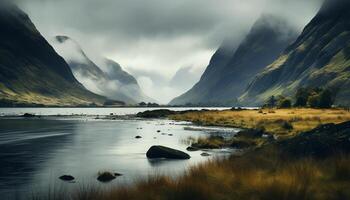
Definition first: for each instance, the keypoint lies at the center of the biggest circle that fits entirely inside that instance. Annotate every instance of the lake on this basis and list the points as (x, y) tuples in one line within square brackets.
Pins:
[(34, 152)]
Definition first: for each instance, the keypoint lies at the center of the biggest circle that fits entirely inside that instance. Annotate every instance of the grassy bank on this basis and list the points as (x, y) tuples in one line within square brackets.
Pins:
[(266, 174), (280, 122)]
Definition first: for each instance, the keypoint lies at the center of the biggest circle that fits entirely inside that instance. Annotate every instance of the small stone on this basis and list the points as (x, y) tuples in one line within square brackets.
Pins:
[(106, 177), (67, 178), (205, 154), (192, 149)]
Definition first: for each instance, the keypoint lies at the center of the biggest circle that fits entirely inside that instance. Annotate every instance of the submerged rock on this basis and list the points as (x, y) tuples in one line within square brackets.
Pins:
[(107, 176), (28, 115), (67, 178), (192, 148), (205, 154), (166, 152)]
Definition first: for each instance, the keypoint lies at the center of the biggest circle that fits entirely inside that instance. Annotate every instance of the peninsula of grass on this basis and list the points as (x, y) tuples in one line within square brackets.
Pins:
[(279, 122)]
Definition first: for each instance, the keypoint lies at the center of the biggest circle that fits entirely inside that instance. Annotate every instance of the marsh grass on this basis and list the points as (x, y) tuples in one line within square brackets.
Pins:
[(263, 174)]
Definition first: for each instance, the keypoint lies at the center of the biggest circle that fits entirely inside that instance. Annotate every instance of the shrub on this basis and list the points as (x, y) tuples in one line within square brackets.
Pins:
[(325, 99), (284, 103), (313, 101), (271, 102), (301, 97), (287, 126)]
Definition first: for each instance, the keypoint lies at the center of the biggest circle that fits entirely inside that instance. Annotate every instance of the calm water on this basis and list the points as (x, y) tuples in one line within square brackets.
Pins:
[(35, 152), (87, 111)]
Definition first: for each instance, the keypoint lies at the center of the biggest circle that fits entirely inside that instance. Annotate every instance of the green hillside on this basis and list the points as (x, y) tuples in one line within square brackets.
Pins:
[(318, 58), (31, 72)]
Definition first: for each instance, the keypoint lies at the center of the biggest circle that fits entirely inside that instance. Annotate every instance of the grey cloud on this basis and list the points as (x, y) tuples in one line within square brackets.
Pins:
[(160, 36)]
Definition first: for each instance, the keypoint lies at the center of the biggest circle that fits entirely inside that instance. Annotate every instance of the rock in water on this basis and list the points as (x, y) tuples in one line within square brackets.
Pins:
[(138, 137), (66, 178), (165, 152), (28, 115), (107, 176), (192, 148), (205, 154)]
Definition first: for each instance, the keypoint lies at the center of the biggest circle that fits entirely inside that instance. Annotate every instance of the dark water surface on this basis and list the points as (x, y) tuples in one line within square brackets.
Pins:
[(35, 152)]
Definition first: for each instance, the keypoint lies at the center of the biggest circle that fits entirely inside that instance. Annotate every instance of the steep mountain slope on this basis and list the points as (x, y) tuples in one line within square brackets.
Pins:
[(108, 79), (320, 57), (31, 72), (230, 72)]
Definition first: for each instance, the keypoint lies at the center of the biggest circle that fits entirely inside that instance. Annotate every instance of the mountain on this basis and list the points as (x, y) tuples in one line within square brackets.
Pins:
[(320, 57), (184, 78), (31, 72), (231, 70), (107, 79)]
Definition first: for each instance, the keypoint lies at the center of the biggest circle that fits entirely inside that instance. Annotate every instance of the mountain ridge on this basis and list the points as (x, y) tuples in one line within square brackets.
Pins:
[(228, 75), (107, 79), (31, 72), (320, 57)]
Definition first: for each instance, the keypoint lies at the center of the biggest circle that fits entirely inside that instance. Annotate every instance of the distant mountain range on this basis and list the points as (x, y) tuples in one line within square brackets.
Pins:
[(232, 69), (31, 72), (320, 57), (270, 62), (108, 79)]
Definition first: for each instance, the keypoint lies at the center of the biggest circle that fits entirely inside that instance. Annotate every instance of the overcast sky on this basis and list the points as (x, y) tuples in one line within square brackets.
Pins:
[(153, 39)]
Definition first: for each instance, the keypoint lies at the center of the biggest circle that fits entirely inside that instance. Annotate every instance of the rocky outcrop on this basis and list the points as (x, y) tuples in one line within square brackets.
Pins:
[(320, 142)]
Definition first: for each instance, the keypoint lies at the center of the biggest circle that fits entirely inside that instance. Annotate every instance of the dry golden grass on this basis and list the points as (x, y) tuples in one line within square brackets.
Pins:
[(258, 175), (272, 120)]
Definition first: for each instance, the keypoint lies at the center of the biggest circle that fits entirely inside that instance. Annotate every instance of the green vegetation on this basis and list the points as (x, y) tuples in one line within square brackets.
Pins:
[(304, 97), (319, 58)]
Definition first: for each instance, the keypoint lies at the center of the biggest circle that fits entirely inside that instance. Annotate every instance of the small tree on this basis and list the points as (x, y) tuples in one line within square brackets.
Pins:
[(271, 102), (325, 99), (314, 101), (284, 103), (301, 97)]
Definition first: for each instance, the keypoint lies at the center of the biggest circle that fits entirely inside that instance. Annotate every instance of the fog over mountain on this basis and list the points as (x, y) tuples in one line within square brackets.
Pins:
[(153, 39), (107, 79)]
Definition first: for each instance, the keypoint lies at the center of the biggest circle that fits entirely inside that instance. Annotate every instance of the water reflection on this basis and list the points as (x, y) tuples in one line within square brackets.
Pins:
[(25, 146), (35, 152)]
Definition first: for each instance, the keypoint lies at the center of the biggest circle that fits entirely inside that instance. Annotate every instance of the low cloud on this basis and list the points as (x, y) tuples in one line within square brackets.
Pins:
[(156, 35)]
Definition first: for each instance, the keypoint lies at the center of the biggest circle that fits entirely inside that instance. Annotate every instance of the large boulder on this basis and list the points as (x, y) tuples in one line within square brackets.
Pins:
[(165, 152)]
